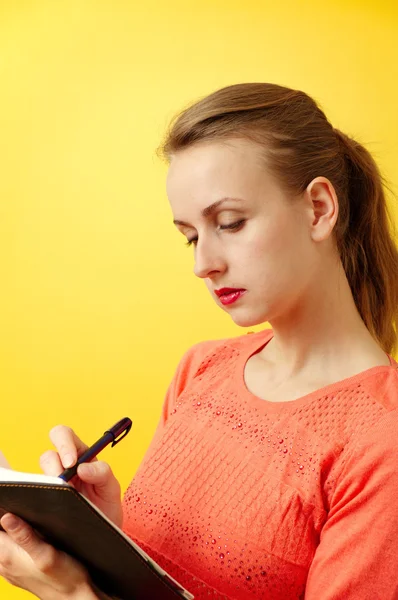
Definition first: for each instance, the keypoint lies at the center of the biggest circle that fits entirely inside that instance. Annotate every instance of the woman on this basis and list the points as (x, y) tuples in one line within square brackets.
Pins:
[(272, 473)]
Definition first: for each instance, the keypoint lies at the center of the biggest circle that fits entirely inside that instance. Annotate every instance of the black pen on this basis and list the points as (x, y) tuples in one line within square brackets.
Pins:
[(110, 436)]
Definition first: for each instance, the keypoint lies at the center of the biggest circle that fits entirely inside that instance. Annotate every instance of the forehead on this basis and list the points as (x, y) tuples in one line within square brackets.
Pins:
[(208, 171)]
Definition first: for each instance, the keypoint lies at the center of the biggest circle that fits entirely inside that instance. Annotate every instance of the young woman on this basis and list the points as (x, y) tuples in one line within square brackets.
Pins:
[(272, 473)]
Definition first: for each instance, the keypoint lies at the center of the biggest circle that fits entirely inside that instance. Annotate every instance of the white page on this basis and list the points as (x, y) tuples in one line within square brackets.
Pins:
[(15, 476)]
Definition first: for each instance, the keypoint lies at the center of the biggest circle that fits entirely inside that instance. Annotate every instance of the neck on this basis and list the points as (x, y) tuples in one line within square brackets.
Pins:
[(323, 331)]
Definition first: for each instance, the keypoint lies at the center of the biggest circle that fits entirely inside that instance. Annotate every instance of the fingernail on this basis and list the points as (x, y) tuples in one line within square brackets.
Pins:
[(68, 460), (10, 522)]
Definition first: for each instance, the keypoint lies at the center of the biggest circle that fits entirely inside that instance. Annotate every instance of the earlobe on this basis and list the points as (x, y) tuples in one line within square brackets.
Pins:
[(323, 207)]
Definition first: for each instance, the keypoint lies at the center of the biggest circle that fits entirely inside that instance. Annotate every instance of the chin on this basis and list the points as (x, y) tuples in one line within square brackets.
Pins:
[(248, 320)]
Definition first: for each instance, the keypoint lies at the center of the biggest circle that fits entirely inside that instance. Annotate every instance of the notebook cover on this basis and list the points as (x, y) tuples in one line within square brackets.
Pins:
[(70, 523)]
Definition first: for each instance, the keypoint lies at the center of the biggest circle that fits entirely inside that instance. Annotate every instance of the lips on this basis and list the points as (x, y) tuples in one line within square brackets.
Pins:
[(223, 291), (229, 295)]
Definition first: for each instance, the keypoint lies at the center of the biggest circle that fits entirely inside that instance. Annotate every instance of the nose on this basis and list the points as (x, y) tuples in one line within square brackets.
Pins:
[(208, 259)]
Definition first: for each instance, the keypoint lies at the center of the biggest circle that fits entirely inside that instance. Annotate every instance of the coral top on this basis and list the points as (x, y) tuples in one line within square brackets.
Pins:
[(242, 498)]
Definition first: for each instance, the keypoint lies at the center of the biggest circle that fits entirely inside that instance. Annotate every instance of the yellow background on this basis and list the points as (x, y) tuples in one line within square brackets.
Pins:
[(98, 300)]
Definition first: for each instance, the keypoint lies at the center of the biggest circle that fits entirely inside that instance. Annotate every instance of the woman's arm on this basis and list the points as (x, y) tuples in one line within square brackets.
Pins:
[(357, 554)]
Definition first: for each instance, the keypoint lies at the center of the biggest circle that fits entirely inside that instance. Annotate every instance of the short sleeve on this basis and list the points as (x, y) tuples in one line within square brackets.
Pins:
[(357, 557)]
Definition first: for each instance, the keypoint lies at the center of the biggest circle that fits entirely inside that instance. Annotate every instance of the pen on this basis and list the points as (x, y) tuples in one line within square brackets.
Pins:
[(110, 436)]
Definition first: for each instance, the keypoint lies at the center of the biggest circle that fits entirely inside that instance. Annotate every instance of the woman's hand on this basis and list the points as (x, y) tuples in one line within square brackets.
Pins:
[(30, 563), (94, 480), (4, 462)]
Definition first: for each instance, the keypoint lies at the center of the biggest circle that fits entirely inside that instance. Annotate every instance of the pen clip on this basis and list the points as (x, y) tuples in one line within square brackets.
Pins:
[(119, 439)]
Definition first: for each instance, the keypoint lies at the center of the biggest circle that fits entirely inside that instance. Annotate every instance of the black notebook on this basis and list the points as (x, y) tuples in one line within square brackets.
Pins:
[(70, 522)]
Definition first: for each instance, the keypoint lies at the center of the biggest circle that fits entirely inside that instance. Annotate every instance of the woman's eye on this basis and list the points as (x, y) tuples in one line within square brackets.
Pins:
[(222, 227), (233, 225)]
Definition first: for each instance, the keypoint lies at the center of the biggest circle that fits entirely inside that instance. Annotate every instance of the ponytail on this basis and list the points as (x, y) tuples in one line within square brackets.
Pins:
[(367, 249)]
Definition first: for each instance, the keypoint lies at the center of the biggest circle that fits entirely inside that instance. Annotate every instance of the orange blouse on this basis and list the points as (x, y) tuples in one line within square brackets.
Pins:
[(240, 498)]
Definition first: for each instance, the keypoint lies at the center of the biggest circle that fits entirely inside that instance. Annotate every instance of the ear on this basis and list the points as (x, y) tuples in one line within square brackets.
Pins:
[(322, 208)]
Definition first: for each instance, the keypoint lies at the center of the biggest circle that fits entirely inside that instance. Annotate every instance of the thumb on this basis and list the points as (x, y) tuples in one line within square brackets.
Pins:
[(100, 476)]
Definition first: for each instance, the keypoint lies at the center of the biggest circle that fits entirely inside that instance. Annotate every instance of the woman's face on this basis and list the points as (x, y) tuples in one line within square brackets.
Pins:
[(256, 238)]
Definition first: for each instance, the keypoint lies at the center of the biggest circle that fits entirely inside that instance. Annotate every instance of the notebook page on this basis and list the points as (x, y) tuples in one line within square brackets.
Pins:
[(9, 475)]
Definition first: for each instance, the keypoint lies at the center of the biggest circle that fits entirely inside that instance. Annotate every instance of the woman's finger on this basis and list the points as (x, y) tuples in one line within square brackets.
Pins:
[(43, 555), (100, 475), (50, 463), (68, 444), (4, 462), (28, 562)]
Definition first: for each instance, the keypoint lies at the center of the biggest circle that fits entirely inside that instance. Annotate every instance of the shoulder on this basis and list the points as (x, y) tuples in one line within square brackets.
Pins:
[(206, 353), (370, 417), (208, 357), (198, 359), (383, 386), (367, 468), (380, 437)]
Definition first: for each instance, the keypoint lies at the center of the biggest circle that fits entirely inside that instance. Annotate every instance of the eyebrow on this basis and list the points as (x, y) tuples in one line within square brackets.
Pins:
[(209, 210)]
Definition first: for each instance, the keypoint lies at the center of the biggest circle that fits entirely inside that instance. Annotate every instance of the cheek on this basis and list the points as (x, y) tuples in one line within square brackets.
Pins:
[(262, 250), (275, 257)]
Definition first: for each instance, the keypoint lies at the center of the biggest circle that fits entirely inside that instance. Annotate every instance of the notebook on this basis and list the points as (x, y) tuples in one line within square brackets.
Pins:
[(70, 522)]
